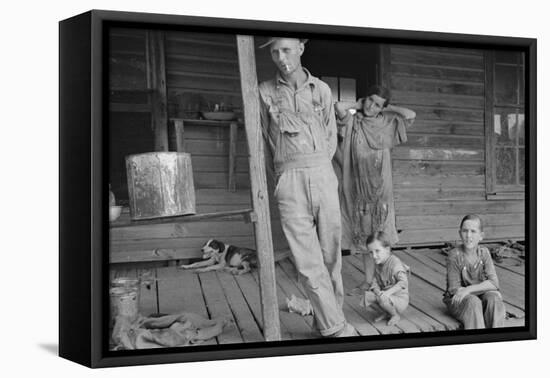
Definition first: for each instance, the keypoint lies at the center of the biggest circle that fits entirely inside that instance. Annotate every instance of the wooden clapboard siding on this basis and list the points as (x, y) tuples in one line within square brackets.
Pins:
[(209, 146), (460, 207), (446, 127), (423, 84), (130, 117), (413, 222), (176, 241), (127, 60), (202, 70), (427, 167), (439, 174), (405, 152), (441, 235)]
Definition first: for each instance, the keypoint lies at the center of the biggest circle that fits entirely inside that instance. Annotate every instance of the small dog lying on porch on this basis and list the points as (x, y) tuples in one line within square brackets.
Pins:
[(217, 255)]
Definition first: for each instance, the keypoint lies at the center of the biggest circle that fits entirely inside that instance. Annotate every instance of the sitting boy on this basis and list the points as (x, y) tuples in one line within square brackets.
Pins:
[(472, 294)]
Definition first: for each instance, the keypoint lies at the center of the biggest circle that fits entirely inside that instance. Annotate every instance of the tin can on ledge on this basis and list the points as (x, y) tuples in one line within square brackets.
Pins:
[(160, 184)]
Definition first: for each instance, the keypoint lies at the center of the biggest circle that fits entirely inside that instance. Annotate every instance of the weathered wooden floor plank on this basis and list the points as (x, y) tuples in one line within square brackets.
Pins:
[(180, 291), (363, 327), (217, 305), (148, 303), (251, 292), (214, 294), (246, 323), (295, 324), (512, 265), (289, 288)]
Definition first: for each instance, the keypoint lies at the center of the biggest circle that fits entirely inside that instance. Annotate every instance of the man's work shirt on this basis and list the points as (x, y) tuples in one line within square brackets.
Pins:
[(299, 125)]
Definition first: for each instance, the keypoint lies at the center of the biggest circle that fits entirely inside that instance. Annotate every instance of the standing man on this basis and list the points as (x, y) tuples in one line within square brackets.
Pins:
[(297, 117)]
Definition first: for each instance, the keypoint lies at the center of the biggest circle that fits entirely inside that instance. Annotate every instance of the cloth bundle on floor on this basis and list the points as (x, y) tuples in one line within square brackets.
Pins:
[(299, 305), (166, 331)]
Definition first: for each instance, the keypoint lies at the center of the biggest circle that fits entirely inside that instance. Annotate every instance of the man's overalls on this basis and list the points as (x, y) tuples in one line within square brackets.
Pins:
[(301, 131)]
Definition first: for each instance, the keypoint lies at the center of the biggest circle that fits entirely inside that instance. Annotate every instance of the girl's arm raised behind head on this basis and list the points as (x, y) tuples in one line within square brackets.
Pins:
[(406, 113)]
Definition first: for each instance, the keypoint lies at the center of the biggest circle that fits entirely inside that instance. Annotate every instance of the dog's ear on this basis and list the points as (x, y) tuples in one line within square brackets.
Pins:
[(217, 245)]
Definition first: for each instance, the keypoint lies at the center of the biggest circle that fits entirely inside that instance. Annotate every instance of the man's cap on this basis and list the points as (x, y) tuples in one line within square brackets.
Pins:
[(273, 39)]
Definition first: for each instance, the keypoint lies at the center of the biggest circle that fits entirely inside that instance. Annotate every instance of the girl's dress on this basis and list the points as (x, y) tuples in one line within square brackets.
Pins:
[(363, 164)]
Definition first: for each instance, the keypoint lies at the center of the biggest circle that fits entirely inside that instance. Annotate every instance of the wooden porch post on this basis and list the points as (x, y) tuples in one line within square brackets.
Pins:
[(156, 82), (260, 198)]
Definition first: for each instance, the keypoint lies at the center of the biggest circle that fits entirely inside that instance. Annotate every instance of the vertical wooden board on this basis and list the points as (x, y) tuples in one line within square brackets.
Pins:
[(386, 70), (249, 329), (297, 327), (426, 298), (352, 316), (217, 305), (260, 196), (180, 291), (232, 184), (404, 324), (180, 137), (489, 123), (112, 273), (156, 68), (148, 303)]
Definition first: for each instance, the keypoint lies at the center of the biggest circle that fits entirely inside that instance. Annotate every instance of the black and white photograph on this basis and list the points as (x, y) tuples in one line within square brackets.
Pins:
[(241, 189), (286, 188)]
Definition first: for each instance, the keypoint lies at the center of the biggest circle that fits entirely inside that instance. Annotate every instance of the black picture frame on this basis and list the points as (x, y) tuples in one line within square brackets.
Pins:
[(83, 273)]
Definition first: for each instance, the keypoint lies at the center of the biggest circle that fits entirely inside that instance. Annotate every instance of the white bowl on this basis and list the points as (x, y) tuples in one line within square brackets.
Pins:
[(114, 212)]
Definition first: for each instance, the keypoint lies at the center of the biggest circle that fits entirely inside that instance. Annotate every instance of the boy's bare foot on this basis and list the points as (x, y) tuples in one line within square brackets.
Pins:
[(380, 318), (393, 320)]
